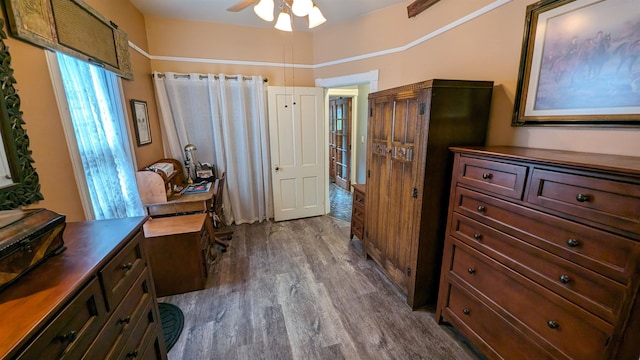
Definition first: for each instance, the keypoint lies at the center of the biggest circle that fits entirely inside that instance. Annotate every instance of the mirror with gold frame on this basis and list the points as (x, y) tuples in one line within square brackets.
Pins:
[(21, 185)]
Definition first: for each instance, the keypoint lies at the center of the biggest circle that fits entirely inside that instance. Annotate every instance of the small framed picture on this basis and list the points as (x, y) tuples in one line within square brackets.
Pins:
[(141, 121)]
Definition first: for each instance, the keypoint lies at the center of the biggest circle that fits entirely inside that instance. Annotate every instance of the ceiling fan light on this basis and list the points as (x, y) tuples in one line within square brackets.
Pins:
[(301, 7), (284, 22), (264, 10), (315, 17)]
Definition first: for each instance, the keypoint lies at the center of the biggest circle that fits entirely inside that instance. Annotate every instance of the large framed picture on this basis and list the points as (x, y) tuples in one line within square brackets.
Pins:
[(580, 64), (141, 121)]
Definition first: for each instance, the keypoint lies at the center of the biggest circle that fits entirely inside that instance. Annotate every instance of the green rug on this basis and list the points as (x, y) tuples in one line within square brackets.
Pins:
[(172, 322)]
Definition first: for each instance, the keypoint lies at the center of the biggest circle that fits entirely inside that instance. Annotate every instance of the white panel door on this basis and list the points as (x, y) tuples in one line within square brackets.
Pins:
[(296, 131)]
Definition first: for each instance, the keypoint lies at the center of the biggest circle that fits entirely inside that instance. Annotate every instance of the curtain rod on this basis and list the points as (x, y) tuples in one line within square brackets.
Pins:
[(202, 77)]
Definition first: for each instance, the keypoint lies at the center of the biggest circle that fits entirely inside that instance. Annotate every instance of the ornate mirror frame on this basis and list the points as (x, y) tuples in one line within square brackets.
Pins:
[(25, 189)]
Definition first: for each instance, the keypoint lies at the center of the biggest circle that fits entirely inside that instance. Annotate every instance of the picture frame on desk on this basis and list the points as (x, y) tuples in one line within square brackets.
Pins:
[(577, 65), (140, 116)]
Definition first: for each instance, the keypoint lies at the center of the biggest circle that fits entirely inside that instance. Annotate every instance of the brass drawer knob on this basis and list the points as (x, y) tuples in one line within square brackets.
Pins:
[(553, 324), (573, 243), (582, 197)]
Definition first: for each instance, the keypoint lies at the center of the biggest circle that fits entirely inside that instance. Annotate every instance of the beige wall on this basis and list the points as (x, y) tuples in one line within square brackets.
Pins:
[(485, 48), (43, 123)]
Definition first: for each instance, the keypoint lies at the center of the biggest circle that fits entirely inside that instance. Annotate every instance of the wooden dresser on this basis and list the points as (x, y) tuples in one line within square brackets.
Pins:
[(408, 175), (358, 211), (542, 255), (95, 300)]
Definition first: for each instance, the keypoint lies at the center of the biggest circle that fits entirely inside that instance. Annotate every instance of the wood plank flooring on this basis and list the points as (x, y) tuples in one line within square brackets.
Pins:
[(302, 290)]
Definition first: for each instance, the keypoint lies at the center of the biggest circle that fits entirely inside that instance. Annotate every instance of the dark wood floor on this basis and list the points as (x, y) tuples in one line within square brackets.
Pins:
[(302, 290)]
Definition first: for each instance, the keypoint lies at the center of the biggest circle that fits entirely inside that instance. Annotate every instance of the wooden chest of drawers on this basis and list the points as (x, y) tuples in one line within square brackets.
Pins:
[(96, 300), (542, 253), (358, 211)]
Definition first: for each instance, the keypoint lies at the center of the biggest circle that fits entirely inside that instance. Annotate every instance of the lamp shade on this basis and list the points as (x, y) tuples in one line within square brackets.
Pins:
[(264, 10), (284, 22), (315, 17), (301, 7)]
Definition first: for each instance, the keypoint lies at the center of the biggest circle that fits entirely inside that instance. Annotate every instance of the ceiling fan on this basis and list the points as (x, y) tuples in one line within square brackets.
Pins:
[(264, 9)]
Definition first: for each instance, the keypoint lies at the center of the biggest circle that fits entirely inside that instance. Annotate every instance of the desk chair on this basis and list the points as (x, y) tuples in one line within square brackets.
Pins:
[(221, 237)]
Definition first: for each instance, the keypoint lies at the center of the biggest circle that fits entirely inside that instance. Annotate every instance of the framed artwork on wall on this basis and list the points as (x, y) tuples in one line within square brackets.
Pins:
[(580, 64), (141, 122)]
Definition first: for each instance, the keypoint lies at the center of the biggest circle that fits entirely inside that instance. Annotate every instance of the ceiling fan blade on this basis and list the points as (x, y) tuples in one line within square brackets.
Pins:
[(242, 5)]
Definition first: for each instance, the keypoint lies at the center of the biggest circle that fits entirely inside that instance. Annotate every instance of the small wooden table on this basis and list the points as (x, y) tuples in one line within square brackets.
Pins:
[(177, 248)]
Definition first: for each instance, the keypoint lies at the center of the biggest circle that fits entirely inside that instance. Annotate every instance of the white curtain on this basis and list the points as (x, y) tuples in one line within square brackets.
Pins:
[(93, 96), (225, 118)]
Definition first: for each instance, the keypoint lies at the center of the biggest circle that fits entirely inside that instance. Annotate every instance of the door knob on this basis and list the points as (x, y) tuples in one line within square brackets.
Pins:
[(277, 168)]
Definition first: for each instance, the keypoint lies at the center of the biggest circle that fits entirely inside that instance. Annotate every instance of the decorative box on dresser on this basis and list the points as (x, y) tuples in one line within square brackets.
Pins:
[(358, 211), (542, 255), (408, 175), (95, 300)]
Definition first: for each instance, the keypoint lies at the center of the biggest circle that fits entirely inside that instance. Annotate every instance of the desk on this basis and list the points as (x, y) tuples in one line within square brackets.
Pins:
[(187, 203), (178, 250)]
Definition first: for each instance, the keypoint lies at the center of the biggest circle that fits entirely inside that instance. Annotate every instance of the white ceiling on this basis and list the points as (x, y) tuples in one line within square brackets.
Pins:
[(335, 11)]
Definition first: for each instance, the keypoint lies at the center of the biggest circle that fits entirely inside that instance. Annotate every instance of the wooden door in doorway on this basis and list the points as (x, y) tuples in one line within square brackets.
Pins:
[(340, 141)]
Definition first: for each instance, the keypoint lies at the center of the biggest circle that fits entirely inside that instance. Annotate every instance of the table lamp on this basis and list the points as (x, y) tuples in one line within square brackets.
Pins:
[(189, 158)]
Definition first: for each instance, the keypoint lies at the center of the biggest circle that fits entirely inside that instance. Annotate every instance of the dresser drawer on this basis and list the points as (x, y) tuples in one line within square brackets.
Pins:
[(596, 293), (73, 330), (496, 177), (120, 273), (142, 334), (498, 335), (603, 252), (570, 329), (118, 329), (599, 200)]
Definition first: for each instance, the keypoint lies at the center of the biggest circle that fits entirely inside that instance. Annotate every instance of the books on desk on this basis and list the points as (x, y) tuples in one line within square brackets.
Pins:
[(196, 188)]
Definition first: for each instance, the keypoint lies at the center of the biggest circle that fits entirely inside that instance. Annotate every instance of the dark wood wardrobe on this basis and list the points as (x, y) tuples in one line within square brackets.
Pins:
[(409, 171)]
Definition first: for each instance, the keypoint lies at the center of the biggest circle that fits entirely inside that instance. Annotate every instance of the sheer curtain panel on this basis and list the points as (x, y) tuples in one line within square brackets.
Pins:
[(225, 118), (95, 106)]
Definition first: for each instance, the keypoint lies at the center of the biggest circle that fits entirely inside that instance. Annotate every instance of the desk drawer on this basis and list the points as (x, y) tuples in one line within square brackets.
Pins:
[(607, 202), (493, 176), (570, 329), (120, 273), (71, 332)]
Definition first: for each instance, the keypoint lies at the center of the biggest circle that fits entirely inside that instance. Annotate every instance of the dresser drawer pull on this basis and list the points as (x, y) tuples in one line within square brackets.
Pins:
[(471, 271), (466, 311), (487, 176), (553, 324), (125, 320), (564, 279), (481, 208), (477, 236), (127, 266), (68, 337), (583, 197), (573, 243), (133, 354)]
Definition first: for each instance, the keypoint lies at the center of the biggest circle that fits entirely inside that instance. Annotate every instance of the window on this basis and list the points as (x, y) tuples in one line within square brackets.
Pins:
[(97, 138)]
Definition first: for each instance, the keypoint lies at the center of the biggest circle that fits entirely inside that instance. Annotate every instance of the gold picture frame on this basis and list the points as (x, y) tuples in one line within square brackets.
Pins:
[(579, 64)]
